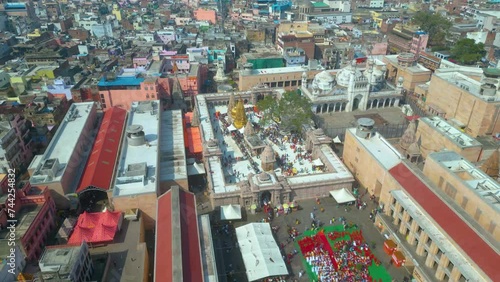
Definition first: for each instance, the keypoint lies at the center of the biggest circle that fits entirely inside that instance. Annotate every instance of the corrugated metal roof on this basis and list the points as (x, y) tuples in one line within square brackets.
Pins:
[(102, 160), (173, 226)]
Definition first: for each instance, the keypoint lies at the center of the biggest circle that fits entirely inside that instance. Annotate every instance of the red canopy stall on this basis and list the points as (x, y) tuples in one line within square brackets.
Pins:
[(398, 258), (389, 247)]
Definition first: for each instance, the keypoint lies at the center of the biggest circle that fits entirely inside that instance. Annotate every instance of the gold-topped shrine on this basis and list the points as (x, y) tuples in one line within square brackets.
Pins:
[(239, 115)]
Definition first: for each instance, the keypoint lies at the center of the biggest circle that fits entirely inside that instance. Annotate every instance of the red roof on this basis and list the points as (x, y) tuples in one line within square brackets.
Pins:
[(475, 247), (190, 241), (98, 227), (101, 163)]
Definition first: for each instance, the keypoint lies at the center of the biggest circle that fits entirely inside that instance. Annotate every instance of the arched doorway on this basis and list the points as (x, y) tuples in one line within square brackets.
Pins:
[(265, 197), (356, 101)]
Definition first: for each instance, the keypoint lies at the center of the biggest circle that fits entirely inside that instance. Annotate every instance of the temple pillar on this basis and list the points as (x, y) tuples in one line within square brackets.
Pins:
[(429, 260), (421, 244), (455, 274)]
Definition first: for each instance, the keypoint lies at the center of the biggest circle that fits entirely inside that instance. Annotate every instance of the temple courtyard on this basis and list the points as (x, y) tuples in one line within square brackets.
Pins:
[(292, 156)]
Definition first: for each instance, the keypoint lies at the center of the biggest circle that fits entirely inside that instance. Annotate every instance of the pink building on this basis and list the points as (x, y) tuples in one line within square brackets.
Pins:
[(121, 91), (205, 15), (35, 214), (176, 64), (192, 81), (142, 59), (379, 48), (419, 42)]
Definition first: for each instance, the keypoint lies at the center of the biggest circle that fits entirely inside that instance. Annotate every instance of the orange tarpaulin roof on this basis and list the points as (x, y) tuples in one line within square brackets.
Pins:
[(187, 118), (194, 140)]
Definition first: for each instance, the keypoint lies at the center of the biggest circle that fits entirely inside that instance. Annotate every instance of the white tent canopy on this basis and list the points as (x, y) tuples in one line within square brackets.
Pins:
[(336, 140), (261, 254), (342, 196), (230, 212)]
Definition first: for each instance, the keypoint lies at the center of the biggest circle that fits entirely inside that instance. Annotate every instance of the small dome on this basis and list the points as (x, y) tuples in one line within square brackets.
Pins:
[(401, 79), (212, 143), (319, 132), (267, 156), (344, 75), (263, 177), (304, 75)]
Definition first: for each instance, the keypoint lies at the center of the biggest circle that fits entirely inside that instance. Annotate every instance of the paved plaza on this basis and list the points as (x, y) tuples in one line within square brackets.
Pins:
[(229, 260)]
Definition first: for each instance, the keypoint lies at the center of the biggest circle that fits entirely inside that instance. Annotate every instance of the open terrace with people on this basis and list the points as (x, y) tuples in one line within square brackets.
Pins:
[(238, 160), (290, 228)]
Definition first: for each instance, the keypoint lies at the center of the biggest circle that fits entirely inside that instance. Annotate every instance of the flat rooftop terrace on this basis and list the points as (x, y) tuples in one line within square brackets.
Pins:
[(59, 259), (477, 181), (24, 217), (121, 81), (137, 168), (456, 136), (380, 148)]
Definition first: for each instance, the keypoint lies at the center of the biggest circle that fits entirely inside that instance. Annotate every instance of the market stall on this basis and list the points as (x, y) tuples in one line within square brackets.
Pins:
[(389, 247), (230, 212), (398, 258)]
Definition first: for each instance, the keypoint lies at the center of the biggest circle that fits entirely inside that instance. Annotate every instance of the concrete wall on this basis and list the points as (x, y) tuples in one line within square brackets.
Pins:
[(442, 177), (435, 141), (366, 170), (146, 202)]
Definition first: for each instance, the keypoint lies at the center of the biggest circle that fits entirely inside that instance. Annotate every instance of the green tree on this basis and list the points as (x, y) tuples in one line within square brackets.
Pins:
[(292, 111), (435, 25), (466, 51)]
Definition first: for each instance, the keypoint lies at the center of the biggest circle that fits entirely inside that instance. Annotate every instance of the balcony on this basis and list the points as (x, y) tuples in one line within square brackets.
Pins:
[(408, 250)]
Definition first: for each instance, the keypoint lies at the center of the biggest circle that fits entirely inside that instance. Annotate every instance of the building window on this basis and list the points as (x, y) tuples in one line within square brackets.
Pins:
[(450, 190), (492, 227), (465, 200), (440, 183)]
